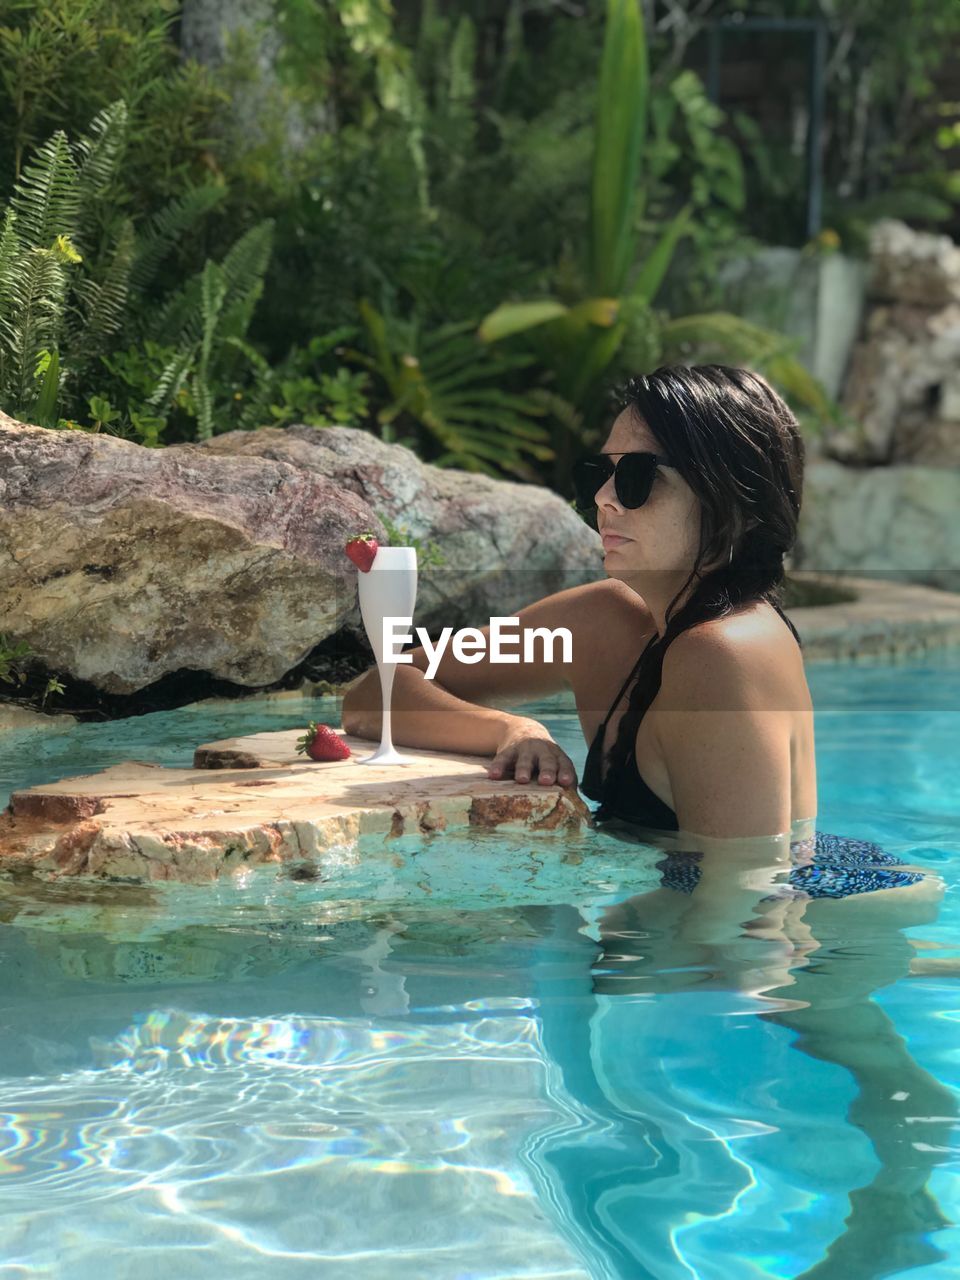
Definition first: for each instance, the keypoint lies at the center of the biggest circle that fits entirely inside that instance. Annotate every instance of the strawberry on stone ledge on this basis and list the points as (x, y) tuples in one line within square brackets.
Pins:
[(320, 742), (362, 550)]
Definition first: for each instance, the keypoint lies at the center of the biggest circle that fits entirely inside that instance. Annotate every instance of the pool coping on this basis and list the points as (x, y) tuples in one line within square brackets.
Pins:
[(890, 618)]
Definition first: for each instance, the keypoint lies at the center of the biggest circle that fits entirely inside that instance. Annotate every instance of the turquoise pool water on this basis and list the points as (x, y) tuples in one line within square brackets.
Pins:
[(485, 1056)]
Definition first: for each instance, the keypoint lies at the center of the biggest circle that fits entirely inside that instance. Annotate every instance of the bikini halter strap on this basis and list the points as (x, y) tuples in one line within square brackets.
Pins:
[(633, 672), (653, 638)]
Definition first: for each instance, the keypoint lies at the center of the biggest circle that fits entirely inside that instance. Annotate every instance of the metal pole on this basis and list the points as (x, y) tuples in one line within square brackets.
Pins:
[(818, 58)]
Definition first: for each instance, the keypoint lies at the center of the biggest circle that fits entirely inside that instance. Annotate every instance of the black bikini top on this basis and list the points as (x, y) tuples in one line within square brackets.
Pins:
[(622, 793)]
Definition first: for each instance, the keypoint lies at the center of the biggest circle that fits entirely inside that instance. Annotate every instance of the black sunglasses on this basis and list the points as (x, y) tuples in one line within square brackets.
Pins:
[(633, 477)]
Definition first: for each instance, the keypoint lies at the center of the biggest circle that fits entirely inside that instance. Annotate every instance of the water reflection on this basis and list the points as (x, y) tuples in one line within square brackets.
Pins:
[(674, 1109), (695, 1120)]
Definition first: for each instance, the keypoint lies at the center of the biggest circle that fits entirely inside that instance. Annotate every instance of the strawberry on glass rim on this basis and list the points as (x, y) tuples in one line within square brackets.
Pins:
[(362, 549)]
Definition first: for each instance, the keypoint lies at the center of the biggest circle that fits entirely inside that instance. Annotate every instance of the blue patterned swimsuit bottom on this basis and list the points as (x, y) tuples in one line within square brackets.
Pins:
[(841, 866)]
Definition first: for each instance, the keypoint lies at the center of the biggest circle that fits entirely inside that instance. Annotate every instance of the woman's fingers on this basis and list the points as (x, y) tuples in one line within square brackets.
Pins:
[(556, 767), (523, 769), (524, 760)]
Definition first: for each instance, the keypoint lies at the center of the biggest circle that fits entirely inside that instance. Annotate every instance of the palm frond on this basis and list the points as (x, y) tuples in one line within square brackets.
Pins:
[(567, 414), (719, 334)]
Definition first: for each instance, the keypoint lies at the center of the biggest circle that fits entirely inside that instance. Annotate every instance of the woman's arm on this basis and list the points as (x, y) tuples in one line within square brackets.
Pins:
[(427, 715), (449, 713)]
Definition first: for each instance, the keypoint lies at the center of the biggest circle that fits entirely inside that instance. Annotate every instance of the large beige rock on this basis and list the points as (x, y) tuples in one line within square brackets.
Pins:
[(902, 390), (253, 800), (896, 521), (915, 267), (899, 388), (121, 564)]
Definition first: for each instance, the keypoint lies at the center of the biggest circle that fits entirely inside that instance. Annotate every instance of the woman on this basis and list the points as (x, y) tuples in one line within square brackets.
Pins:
[(708, 733), (691, 692)]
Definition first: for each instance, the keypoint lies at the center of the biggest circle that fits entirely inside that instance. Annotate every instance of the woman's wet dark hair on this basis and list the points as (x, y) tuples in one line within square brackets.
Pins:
[(739, 448)]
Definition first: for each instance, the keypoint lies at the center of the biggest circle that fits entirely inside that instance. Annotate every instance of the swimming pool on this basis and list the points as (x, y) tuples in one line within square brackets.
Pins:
[(438, 1061)]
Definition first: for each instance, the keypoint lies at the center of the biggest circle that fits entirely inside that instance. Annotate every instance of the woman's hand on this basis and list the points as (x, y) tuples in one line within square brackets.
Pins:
[(526, 750)]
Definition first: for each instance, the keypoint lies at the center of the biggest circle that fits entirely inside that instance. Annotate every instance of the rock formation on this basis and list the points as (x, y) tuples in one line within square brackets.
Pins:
[(121, 564), (253, 801), (903, 383)]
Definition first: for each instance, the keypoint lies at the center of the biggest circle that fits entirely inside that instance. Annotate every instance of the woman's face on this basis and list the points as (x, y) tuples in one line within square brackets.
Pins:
[(662, 535)]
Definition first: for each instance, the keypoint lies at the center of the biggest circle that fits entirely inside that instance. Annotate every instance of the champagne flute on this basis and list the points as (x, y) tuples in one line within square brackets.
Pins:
[(387, 590)]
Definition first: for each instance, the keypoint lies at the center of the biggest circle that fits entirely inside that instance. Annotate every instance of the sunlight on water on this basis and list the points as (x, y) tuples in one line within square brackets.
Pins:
[(488, 1055)]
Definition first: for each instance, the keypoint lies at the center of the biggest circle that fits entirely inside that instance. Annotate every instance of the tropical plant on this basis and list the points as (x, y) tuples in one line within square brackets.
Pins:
[(61, 311), (64, 61), (205, 323), (606, 303), (46, 224), (883, 150), (436, 381), (302, 389), (13, 656)]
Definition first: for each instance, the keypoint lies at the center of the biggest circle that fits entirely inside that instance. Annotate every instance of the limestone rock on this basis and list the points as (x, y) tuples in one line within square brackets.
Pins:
[(902, 388), (898, 386), (145, 822), (505, 544), (121, 564), (913, 267), (897, 521)]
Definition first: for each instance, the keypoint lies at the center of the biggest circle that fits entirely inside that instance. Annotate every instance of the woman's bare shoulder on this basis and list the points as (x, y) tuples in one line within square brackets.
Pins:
[(751, 651), (596, 604)]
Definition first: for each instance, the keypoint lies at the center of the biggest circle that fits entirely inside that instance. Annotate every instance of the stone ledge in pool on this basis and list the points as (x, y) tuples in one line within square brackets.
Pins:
[(250, 801)]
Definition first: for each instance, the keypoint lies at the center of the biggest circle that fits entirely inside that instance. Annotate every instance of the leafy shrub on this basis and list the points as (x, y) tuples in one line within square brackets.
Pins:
[(13, 657), (56, 320)]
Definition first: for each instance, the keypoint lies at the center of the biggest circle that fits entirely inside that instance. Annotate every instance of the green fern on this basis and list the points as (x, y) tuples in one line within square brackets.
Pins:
[(35, 294), (60, 307), (100, 151), (46, 200), (48, 215), (180, 319), (36, 253), (168, 226), (172, 378), (103, 303), (207, 320)]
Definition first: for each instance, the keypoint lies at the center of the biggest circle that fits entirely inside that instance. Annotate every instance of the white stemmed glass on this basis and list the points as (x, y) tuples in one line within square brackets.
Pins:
[(387, 590)]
